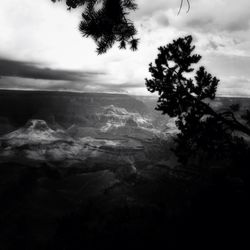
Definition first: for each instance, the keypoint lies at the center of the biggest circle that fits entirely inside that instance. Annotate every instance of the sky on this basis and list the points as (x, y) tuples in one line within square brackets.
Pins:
[(41, 47)]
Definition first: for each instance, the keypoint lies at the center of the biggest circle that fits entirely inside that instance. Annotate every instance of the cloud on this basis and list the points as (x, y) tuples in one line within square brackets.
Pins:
[(40, 39), (213, 16), (148, 9), (31, 70), (63, 85)]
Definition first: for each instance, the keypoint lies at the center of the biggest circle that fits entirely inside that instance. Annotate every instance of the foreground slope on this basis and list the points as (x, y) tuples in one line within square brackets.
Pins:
[(107, 179)]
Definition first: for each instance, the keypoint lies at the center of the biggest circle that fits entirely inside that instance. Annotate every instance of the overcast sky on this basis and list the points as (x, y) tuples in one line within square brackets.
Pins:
[(41, 47)]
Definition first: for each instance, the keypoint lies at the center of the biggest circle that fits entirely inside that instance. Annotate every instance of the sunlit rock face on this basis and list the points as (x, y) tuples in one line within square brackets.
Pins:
[(118, 137), (34, 132), (112, 116), (37, 141), (119, 122)]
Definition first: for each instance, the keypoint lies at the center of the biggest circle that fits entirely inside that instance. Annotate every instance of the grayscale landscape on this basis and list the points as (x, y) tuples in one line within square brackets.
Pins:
[(99, 153), (124, 124)]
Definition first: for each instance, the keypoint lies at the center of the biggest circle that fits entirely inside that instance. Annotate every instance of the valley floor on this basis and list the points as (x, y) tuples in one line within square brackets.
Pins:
[(93, 171), (45, 206)]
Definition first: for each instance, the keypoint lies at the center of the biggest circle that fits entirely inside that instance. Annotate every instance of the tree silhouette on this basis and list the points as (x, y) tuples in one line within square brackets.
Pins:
[(187, 98), (106, 21)]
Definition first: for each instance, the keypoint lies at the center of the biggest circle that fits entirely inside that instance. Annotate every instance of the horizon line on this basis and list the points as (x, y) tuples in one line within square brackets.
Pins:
[(108, 92)]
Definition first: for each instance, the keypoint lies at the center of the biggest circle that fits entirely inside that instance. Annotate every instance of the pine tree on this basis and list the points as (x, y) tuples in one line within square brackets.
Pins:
[(106, 21), (187, 98)]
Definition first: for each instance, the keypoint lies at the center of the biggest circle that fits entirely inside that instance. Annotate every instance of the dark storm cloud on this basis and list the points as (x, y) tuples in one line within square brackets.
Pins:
[(92, 85), (13, 68)]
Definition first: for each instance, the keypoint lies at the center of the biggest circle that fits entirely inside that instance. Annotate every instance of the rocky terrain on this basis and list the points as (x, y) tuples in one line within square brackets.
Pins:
[(96, 171), (62, 108), (118, 136), (96, 133), (55, 159)]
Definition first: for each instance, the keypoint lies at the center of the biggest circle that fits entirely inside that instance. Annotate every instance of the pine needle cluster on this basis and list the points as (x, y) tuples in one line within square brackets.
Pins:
[(107, 22)]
